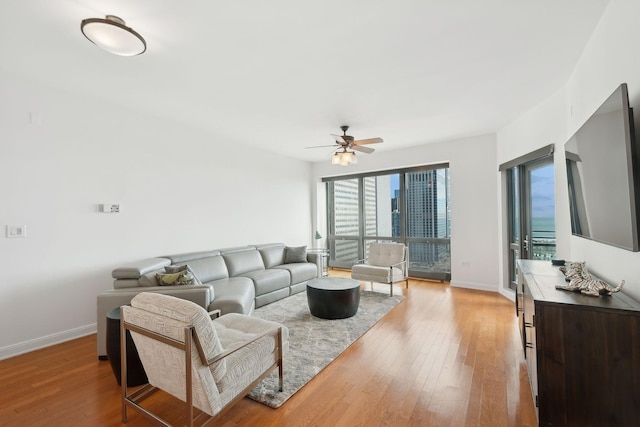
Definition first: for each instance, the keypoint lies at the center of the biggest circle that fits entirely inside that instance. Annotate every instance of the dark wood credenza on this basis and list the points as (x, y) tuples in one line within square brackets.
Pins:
[(582, 352)]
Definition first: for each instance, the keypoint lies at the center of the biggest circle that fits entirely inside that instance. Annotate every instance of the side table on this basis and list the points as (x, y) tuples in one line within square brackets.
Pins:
[(135, 372), (324, 255)]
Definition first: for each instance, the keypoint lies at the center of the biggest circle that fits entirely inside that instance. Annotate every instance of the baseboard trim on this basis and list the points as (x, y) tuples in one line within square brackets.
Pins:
[(46, 341), (473, 285), (508, 294)]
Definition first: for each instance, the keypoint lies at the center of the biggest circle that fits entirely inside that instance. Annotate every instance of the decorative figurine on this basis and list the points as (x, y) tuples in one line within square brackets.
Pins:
[(580, 280)]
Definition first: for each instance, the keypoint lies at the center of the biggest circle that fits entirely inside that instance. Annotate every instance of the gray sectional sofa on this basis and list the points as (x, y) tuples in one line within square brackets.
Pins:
[(233, 280)]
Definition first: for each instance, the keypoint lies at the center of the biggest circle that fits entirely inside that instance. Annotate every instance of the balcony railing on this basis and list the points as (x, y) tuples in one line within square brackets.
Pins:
[(544, 248)]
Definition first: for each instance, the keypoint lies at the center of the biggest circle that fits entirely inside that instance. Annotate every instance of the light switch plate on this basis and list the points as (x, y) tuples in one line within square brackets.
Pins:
[(16, 231)]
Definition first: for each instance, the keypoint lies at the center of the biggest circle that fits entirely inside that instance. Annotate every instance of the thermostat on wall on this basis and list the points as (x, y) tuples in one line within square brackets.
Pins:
[(110, 208)]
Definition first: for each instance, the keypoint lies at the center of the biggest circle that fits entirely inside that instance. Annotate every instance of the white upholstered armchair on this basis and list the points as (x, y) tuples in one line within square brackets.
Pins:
[(386, 263), (208, 364)]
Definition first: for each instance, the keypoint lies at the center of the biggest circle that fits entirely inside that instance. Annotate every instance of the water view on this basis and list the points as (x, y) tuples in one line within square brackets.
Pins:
[(543, 238)]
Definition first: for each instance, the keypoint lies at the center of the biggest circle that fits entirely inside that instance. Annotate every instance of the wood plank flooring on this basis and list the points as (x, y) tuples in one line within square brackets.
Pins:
[(443, 357)]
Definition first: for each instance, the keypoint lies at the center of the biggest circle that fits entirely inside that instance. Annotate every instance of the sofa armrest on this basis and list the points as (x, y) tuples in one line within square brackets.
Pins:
[(202, 295)]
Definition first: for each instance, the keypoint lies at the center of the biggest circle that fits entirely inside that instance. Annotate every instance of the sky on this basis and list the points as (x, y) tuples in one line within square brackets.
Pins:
[(543, 192)]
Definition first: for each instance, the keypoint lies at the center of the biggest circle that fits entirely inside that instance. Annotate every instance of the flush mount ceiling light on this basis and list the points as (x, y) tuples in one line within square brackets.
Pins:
[(112, 35)]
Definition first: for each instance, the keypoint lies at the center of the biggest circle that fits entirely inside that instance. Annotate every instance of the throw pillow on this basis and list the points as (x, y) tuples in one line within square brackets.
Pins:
[(183, 267), (293, 255), (174, 279)]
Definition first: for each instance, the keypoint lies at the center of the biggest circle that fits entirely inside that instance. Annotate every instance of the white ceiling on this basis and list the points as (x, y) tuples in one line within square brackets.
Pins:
[(284, 74)]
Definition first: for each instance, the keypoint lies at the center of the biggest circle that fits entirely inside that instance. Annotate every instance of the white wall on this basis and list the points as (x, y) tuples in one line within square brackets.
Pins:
[(610, 58), (474, 200), (179, 189)]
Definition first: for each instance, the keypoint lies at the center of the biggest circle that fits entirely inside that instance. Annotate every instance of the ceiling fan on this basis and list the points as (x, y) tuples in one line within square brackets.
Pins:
[(344, 143)]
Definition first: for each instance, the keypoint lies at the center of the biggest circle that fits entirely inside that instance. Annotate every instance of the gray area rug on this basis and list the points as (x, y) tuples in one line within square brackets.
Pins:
[(314, 342)]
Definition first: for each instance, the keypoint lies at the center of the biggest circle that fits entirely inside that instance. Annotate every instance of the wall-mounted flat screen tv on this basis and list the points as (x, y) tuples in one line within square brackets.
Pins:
[(602, 173)]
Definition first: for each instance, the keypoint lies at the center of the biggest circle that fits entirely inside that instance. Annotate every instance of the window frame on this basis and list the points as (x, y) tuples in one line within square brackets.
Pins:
[(362, 239)]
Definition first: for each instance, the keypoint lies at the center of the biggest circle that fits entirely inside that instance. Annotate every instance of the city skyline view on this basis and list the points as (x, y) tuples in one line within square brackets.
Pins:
[(419, 217)]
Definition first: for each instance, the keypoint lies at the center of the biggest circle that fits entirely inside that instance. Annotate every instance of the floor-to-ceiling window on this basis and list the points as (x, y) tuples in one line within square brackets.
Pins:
[(410, 206), (345, 221), (428, 223)]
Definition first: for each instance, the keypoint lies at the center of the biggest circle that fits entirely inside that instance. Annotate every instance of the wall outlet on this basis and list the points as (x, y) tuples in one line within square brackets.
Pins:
[(16, 231)]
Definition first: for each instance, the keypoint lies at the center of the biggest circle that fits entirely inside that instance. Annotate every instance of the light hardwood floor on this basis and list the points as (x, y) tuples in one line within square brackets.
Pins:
[(443, 357)]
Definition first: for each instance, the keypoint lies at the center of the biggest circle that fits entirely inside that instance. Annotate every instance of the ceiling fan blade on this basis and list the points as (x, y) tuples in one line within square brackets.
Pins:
[(366, 150), (323, 146), (368, 141), (339, 139)]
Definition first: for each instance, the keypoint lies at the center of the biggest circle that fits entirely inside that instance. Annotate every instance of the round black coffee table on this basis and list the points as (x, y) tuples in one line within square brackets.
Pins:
[(333, 297)]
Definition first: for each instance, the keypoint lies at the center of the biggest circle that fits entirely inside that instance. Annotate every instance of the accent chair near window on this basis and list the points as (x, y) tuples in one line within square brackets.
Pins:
[(387, 263)]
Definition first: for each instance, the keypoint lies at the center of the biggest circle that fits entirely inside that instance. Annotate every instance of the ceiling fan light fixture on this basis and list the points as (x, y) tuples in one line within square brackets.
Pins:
[(347, 146), (346, 158), (335, 159), (112, 35)]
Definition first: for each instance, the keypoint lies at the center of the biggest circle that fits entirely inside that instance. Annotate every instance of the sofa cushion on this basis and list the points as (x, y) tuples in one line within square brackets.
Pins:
[(272, 255), (300, 287), (209, 268), (266, 281), (233, 295), (296, 254), (386, 254), (300, 272), (274, 296), (232, 330), (372, 273), (244, 261)]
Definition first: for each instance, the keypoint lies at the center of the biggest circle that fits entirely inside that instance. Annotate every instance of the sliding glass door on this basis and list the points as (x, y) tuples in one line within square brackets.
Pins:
[(531, 209)]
